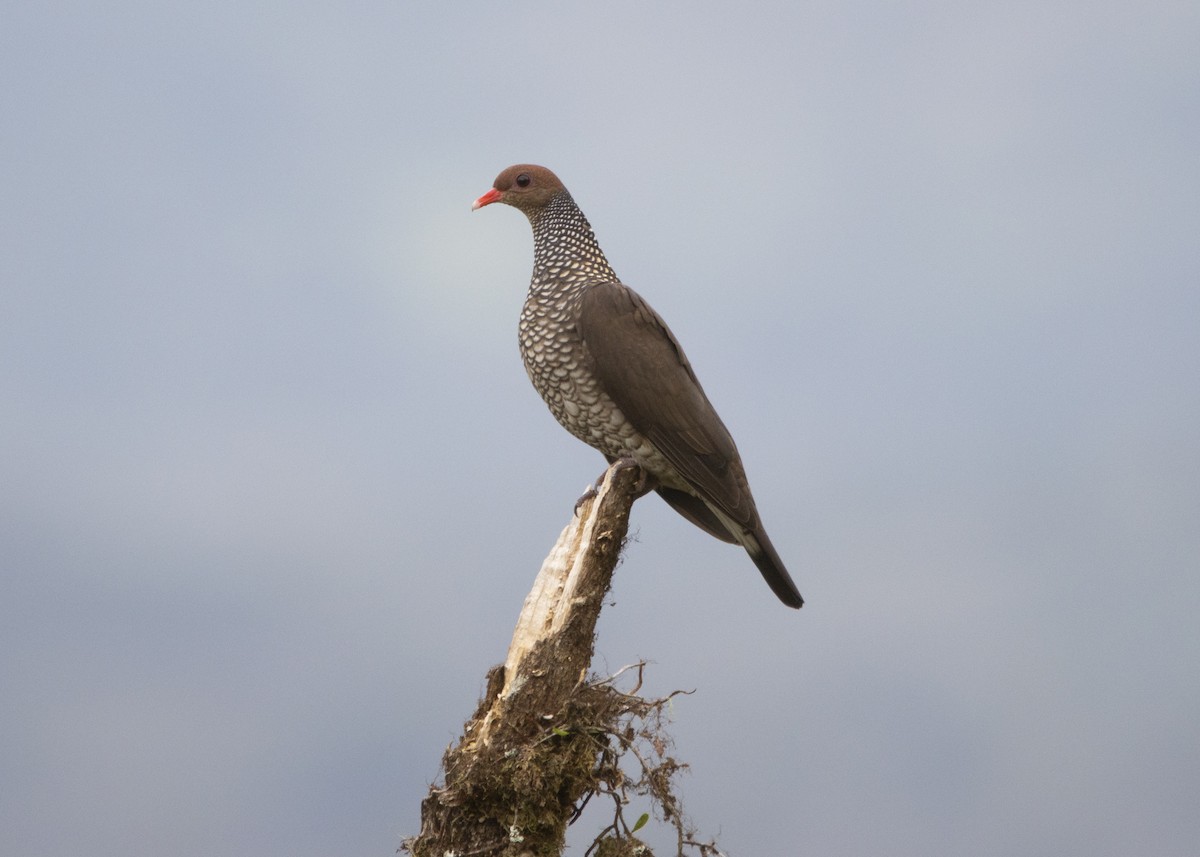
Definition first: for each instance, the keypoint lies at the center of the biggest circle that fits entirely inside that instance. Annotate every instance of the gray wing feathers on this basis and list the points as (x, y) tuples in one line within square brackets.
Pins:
[(644, 371)]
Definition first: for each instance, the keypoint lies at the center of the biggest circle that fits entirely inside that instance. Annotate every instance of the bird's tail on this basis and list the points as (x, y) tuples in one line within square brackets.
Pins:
[(773, 571), (755, 542)]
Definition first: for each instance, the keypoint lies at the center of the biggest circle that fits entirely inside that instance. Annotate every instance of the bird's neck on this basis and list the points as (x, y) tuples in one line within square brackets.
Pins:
[(565, 250)]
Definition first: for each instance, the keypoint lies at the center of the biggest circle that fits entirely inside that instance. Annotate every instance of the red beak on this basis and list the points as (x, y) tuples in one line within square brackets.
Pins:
[(487, 199)]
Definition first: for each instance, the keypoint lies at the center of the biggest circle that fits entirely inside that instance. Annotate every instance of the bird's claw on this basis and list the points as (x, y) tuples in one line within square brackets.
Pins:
[(589, 493)]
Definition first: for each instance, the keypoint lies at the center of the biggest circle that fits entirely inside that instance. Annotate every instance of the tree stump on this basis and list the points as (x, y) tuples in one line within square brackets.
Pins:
[(538, 741)]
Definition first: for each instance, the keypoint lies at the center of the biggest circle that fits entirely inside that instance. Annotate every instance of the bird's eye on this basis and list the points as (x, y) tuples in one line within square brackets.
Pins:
[(523, 180)]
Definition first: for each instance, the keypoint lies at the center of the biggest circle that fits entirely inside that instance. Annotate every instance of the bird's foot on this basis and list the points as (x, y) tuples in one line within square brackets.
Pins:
[(589, 493), (645, 484)]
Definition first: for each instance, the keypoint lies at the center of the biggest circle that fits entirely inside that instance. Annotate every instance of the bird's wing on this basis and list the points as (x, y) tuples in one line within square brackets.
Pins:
[(644, 371)]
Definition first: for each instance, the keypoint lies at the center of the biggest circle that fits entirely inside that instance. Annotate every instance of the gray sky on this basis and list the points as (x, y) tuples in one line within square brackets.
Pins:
[(274, 483)]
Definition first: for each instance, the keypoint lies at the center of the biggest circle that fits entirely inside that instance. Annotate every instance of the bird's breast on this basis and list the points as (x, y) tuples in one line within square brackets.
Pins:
[(558, 366), (560, 369)]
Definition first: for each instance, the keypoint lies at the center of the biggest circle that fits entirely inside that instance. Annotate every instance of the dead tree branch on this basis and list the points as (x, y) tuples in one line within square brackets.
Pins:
[(545, 739)]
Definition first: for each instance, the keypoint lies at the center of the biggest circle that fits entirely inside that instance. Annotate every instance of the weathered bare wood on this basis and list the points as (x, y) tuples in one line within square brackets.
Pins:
[(521, 765)]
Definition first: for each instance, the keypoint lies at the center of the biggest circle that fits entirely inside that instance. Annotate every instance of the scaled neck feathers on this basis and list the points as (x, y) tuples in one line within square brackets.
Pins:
[(565, 250)]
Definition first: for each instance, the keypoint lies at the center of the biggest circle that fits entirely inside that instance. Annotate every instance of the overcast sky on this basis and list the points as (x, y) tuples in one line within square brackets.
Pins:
[(274, 483)]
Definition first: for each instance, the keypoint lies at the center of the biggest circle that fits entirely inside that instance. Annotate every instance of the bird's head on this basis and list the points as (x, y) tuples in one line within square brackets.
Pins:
[(525, 186)]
